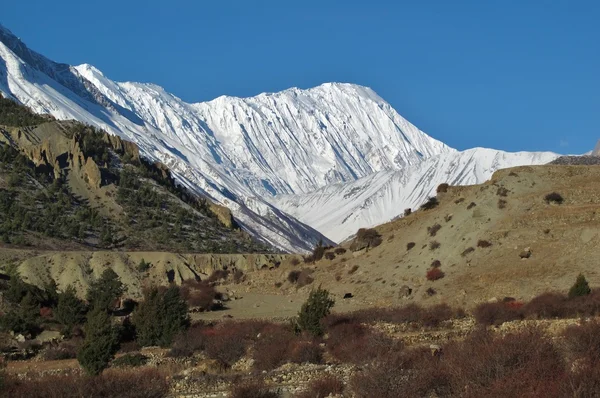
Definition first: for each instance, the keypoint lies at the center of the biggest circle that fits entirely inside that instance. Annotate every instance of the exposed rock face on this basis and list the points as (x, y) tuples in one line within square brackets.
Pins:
[(223, 214)]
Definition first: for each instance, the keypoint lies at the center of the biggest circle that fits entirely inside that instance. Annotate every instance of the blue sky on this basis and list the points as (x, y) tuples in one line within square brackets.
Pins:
[(513, 75)]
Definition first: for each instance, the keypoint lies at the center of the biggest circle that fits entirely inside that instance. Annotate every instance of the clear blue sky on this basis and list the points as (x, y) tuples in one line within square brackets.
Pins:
[(513, 75)]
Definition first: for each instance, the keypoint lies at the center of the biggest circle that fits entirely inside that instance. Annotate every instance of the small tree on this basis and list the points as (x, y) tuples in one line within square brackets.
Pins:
[(105, 290), (580, 288), (70, 310), (161, 316), (100, 344), (317, 306)]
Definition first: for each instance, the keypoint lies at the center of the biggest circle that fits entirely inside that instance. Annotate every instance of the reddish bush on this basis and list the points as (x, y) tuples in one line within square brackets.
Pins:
[(65, 350), (350, 342), (496, 313), (229, 341), (546, 305), (433, 316), (305, 351), (198, 294), (252, 389), (323, 387), (140, 383), (434, 274), (583, 341), (46, 312), (272, 349)]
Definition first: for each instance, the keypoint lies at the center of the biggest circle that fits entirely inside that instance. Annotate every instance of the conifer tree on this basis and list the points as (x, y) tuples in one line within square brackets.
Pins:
[(580, 288), (317, 306), (100, 344)]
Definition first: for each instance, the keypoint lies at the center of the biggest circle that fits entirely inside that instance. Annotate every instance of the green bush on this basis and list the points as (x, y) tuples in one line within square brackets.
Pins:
[(70, 310), (160, 316), (100, 344), (130, 360), (580, 288), (317, 306), (104, 291)]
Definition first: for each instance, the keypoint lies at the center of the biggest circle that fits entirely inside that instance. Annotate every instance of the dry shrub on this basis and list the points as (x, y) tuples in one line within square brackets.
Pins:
[(323, 387), (272, 348), (407, 212), (496, 313), (294, 261), (501, 203), (583, 342), (198, 294), (430, 204), (305, 351), (433, 316), (436, 264), (410, 245), (433, 230), (252, 389), (583, 381), (218, 275), (502, 192), (353, 269), (140, 383), (546, 305), (65, 350), (442, 188), (434, 274), (483, 243), (300, 277), (554, 197), (238, 276), (467, 251), (459, 200), (520, 364), (339, 250), (434, 244), (350, 342), (329, 256), (471, 205)]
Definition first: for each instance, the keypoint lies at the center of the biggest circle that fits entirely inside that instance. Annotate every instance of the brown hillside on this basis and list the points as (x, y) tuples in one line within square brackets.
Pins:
[(564, 240)]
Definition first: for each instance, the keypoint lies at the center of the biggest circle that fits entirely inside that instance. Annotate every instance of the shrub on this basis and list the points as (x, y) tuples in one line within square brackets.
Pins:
[(329, 256), (252, 389), (317, 306), (104, 291), (272, 349), (483, 243), (583, 341), (227, 342), (554, 197), (436, 264), (546, 305), (100, 344), (161, 315), (580, 288), (305, 351), (433, 316), (300, 278), (410, 245), (143, 266), (353, 269), (324, 387), (199, 294), (350, 342), (217, 275), (139, 383), (434, 274), (442, 188), (407, 212), (471, 205), (459, 200), (339, 250), (434, 244), (430, 204), (70, 310), (65, 350), (467, 251), (366, 238), (433, 230), (496, 313), (130, 361), (238, 276), (294, 261), (501, 203), (502, 192)]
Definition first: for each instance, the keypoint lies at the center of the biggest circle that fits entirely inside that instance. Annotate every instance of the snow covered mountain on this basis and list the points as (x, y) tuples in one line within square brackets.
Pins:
[(279, 161), (382, 196)]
